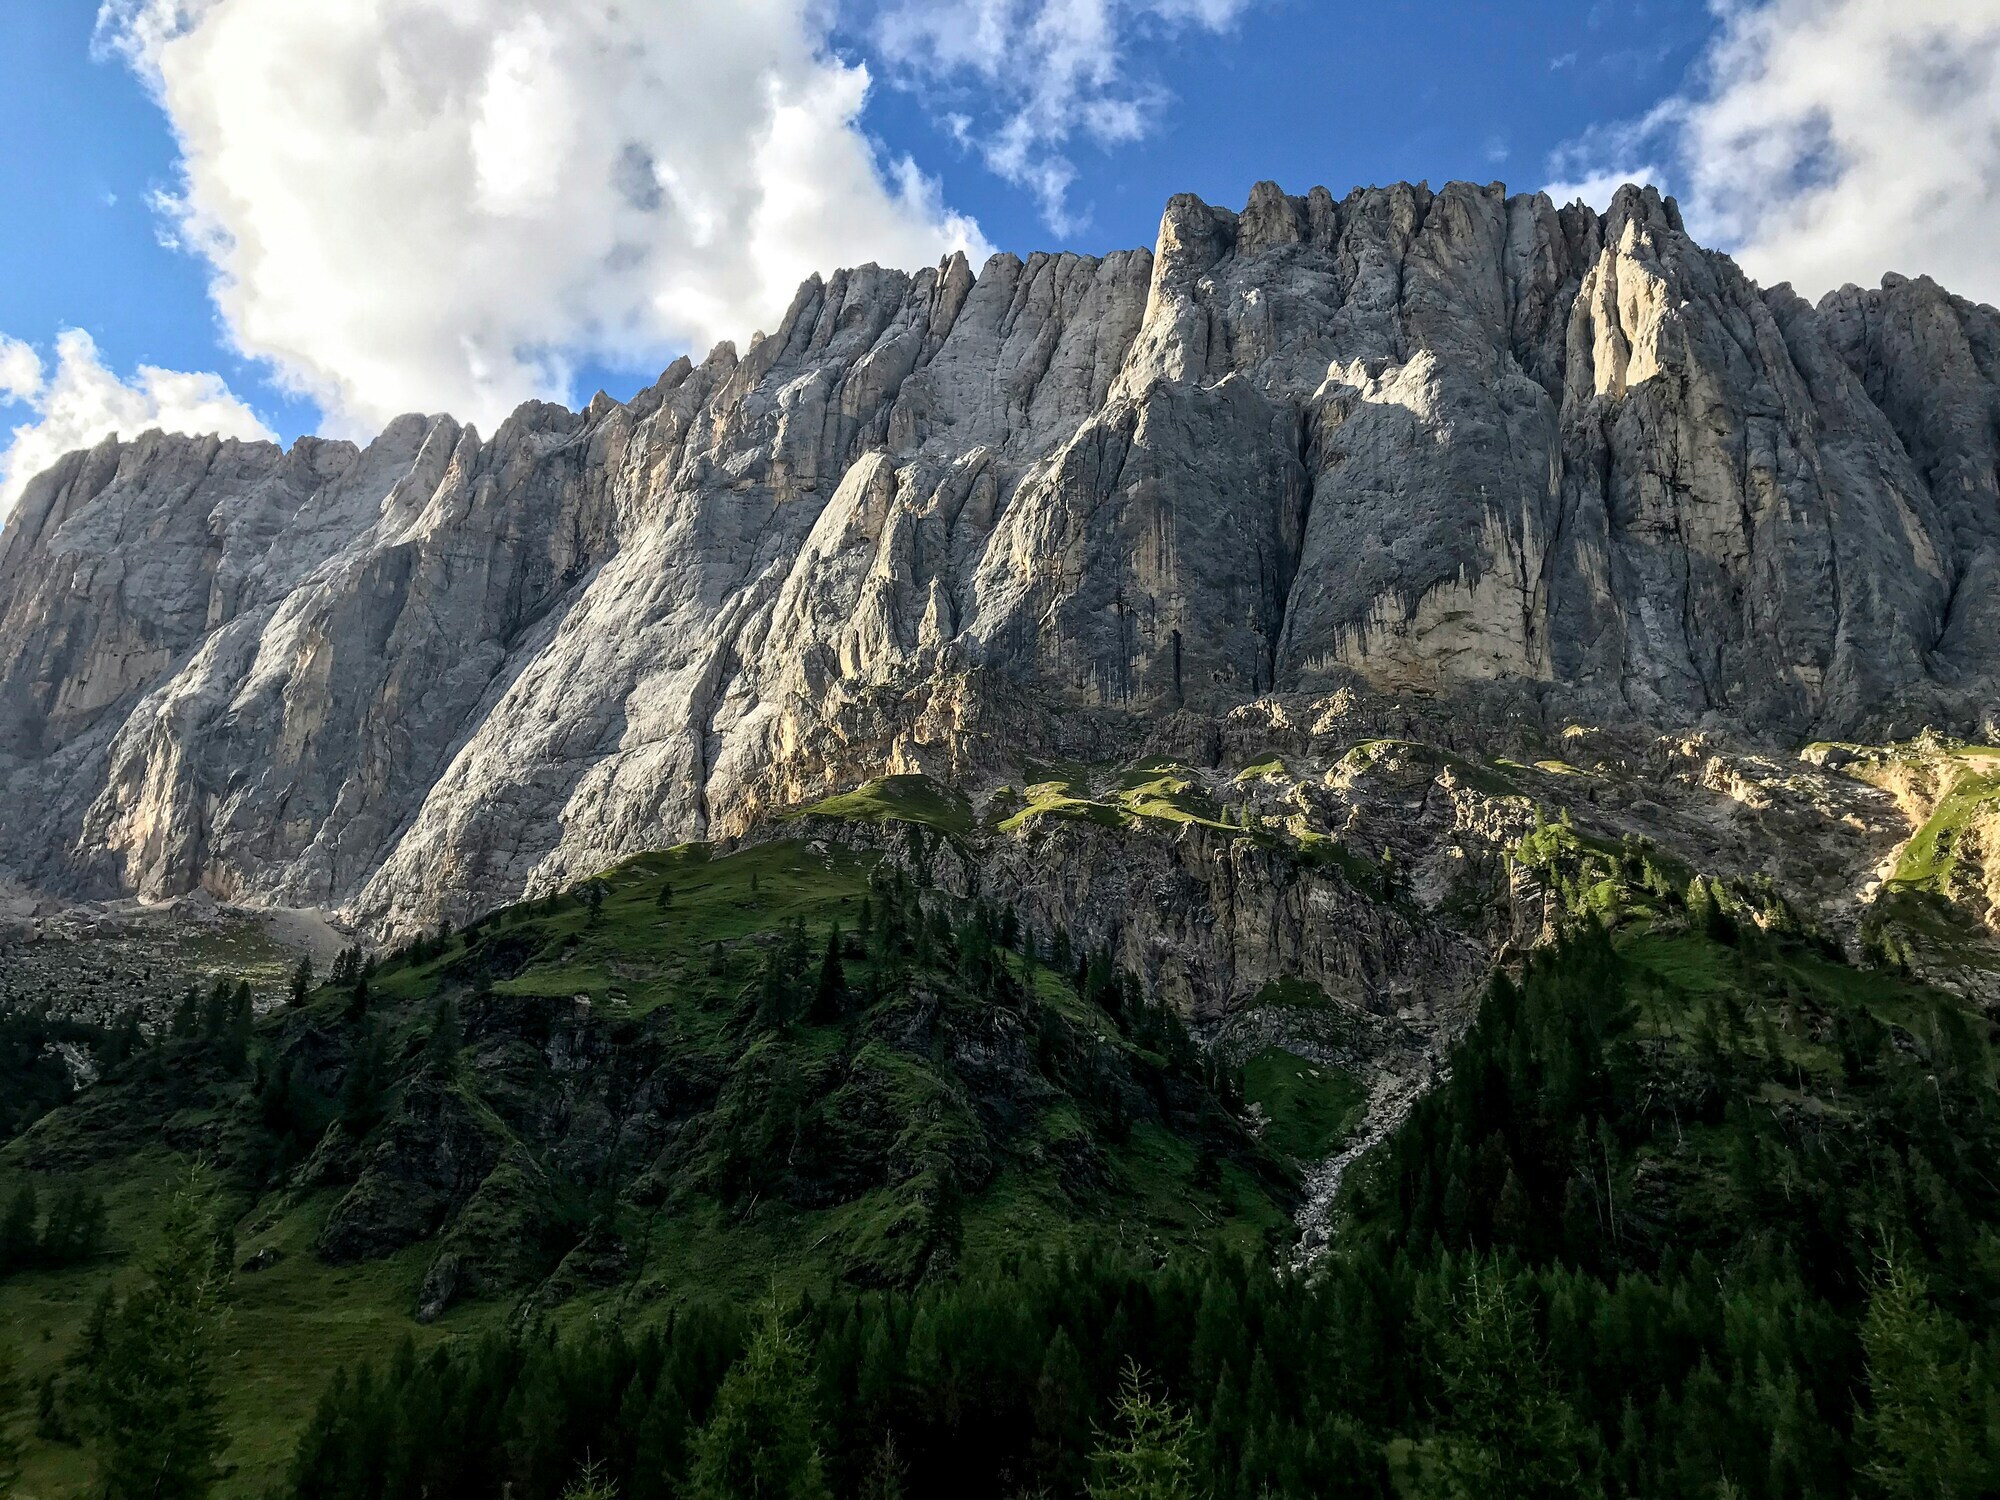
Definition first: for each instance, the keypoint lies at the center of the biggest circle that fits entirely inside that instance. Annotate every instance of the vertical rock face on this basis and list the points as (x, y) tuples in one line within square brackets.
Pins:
[(1457, 444)]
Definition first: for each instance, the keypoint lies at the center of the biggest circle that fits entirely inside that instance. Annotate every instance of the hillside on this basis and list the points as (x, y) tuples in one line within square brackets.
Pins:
[(1690, 1131), (655, 1090)]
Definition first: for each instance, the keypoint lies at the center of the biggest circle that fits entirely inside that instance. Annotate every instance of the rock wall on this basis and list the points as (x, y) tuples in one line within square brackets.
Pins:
[(1457, 447)]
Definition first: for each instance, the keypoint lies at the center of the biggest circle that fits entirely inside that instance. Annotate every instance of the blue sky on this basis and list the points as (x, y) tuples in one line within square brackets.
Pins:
[(298, 223)]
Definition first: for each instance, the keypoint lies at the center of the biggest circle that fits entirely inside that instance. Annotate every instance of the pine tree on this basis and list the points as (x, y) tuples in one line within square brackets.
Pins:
[(75, 1229), (239, 1021), (10, 1398), (1507, 1433), (591, 1483), (123, 1044), (149, 1400), (366, 1082), (830, 995), (664, 896), (356, 1009), (1923, 1427), (1151, 1453), (18, 1243), (889, 1476), (445, 1038), (302, 980), (594, 892), (762, 1434)]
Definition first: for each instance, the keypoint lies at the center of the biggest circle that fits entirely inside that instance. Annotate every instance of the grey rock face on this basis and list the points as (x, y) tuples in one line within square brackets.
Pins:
[(1455, 445)]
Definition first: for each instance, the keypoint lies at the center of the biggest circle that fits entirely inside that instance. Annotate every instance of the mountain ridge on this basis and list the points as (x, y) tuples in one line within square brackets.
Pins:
[(1464, 457)]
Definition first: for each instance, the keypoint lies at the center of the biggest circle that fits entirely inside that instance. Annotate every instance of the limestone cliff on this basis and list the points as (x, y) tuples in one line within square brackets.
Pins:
[(1515, 463)]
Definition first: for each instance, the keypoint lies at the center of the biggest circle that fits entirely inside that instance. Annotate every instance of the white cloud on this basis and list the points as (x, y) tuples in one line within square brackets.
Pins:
[(1829, 141), (83, 402), (20, 370), (1602, 160), (449, 204), (1056, 66)]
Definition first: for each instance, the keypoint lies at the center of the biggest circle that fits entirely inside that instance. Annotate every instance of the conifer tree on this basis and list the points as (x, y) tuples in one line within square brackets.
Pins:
[(1149, 1454), (148, 1395), (18, 1244), (239, 1021), (1508, 1435), (591, 1483), (762, 1434), (1922, 1426), (10, 1399), (888, 1476), (830, 995), (445, 1038), (75, 1229), (664, 896), (302, 980), (121, 1044), (366, 1082)]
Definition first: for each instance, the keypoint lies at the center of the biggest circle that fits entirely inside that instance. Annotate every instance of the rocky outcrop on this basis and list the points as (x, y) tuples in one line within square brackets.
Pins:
[(1460, 450)]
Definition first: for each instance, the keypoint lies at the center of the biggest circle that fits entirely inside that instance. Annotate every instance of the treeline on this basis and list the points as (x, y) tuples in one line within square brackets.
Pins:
[(36, 1077), (1595, 1264), (68, 1234), (1503, 1382), (140, 1389)]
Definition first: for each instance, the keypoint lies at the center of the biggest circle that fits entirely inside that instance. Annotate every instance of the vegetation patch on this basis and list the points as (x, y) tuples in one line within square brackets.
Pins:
[(901, 799), (1312, 1107)]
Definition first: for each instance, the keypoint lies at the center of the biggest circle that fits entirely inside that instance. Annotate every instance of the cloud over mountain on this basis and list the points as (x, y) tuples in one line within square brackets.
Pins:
[(81, 401), (1829, 141), (422, 205)]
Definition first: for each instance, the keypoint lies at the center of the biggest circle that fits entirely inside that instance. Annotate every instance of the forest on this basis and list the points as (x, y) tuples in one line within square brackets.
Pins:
[(1701, 1211)]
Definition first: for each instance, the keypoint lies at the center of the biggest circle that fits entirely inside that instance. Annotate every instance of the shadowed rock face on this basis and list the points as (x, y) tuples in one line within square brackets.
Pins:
[(1455, 444)]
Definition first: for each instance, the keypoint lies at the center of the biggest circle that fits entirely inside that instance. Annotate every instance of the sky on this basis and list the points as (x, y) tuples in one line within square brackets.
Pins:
[(265, 218)]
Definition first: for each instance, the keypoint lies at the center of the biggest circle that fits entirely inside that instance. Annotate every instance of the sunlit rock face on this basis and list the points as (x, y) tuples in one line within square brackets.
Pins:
[(1457, 446)]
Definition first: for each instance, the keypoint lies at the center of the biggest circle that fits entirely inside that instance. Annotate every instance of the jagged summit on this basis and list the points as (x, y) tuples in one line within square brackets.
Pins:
[(1517, 461)]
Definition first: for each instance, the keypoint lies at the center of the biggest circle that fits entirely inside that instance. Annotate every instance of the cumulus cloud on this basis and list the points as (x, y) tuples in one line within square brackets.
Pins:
[(83, 402), (1056, 68), (449, 204), (1829, 141)]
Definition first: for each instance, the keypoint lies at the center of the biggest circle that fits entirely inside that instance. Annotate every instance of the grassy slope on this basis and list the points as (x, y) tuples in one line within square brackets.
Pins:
[(638, 966), (1312, 1107), (902, 799)]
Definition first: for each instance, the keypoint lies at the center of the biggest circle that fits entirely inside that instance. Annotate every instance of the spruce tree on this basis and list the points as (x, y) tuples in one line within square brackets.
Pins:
[(830, 995), (888, 1477), (762, 1434), (122, 1044), (1149, 1453), (238, 1024), (591, 1483), (187, 1014), (1508, 1435), (10, 1399), (215, 1010), (148, 1397), (366, 1082), (75, 1229), (445, 1038), (1921, 1432), (18, 1244), (302, 980)]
